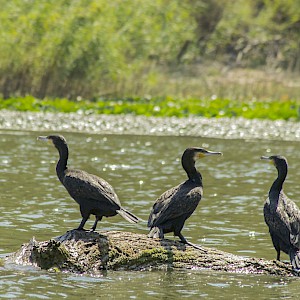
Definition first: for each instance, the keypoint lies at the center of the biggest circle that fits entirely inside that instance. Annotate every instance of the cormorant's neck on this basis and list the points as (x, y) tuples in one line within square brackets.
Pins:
[(62, 162), (192, 173), (276, 187)]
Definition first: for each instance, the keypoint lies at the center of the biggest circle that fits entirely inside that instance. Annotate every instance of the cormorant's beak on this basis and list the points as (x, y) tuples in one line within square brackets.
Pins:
[(44, 139), (208, 153), (211, 153), (265, 158), (269, 159)]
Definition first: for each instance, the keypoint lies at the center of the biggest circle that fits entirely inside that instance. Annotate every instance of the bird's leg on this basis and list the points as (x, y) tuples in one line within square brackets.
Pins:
[(95, 224), (184, 240), (278, 255), (161, 233), (156, 233), (83, 221)]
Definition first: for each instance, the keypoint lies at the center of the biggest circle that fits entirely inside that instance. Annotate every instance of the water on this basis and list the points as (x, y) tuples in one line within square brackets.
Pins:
[(232, 128), (229, 217)]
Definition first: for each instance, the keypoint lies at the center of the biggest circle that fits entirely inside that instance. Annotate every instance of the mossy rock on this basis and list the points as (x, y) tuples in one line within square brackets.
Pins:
[(93, 253)]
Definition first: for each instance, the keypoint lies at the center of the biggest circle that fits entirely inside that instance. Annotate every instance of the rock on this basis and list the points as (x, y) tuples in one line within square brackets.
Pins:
[(94, 253)]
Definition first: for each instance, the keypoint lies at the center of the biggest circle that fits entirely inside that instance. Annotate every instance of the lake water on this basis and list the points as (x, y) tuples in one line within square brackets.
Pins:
[(140, 168)]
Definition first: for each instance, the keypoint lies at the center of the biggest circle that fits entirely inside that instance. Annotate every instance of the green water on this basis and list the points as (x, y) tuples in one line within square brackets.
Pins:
[(229, 217)]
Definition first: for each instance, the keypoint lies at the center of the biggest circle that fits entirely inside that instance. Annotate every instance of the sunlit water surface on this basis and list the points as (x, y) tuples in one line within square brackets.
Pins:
[(229, 217)]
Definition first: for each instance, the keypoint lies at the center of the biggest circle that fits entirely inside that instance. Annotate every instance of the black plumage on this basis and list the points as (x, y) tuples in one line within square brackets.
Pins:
[(282, 215), (94, 195), (174, 206)]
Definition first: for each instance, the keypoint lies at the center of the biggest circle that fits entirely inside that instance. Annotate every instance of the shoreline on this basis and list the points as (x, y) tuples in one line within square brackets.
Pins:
[(225, 128)]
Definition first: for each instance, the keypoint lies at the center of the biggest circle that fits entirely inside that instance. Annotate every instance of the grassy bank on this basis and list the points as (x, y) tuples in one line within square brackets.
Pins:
[(162, 107)]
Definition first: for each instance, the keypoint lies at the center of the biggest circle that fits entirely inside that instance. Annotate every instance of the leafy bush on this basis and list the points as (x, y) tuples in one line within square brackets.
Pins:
[(70, 49)]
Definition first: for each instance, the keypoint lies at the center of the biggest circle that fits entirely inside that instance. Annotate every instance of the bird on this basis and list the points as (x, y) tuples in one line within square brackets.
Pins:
[(94, 195), (174, 206), (282, 215)]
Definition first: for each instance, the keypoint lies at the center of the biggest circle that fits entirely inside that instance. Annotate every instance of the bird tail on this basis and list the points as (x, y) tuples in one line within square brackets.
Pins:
[(156, 232), (295, 258), (127, 215)]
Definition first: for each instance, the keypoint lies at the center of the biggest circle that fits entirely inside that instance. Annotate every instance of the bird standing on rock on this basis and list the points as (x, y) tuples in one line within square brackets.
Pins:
[(174, 206), (282, 215), (94, 195)]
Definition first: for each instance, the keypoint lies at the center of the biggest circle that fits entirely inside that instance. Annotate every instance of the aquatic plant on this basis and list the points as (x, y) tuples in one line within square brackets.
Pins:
[(162, 107)]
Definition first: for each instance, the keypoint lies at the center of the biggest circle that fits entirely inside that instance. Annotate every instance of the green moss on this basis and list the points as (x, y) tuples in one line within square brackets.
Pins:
[(141, 258), (53, 254), (184, 256), (150, 257), (159, 254)]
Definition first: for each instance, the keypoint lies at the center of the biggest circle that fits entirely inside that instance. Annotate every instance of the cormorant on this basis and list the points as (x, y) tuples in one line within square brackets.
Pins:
[(282, 215), (174, 206), (94, 195)]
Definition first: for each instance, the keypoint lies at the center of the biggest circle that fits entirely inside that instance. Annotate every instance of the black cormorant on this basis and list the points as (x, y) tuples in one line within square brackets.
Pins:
[(174, 206), (282, 215), (94, 195)]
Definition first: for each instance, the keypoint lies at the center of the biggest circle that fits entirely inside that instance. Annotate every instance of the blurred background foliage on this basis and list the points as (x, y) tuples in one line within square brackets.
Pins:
[(98, 48)]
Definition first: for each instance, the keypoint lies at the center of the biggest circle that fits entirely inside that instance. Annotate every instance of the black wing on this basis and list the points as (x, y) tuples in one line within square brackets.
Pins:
[(180, 200), (284, 222), (82, 185)]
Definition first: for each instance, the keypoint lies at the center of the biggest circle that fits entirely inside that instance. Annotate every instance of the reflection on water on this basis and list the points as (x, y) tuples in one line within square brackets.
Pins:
[(140, 168)]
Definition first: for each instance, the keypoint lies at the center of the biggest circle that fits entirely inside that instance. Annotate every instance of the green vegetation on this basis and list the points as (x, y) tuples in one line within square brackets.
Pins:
[(132, 48), (213, 58), (162, 107)]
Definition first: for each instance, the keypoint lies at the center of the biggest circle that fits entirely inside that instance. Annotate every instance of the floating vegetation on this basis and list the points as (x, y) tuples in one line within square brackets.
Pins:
[(162, 107)]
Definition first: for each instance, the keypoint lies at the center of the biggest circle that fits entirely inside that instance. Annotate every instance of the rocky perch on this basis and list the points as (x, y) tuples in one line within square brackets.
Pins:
[(93, 253)]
